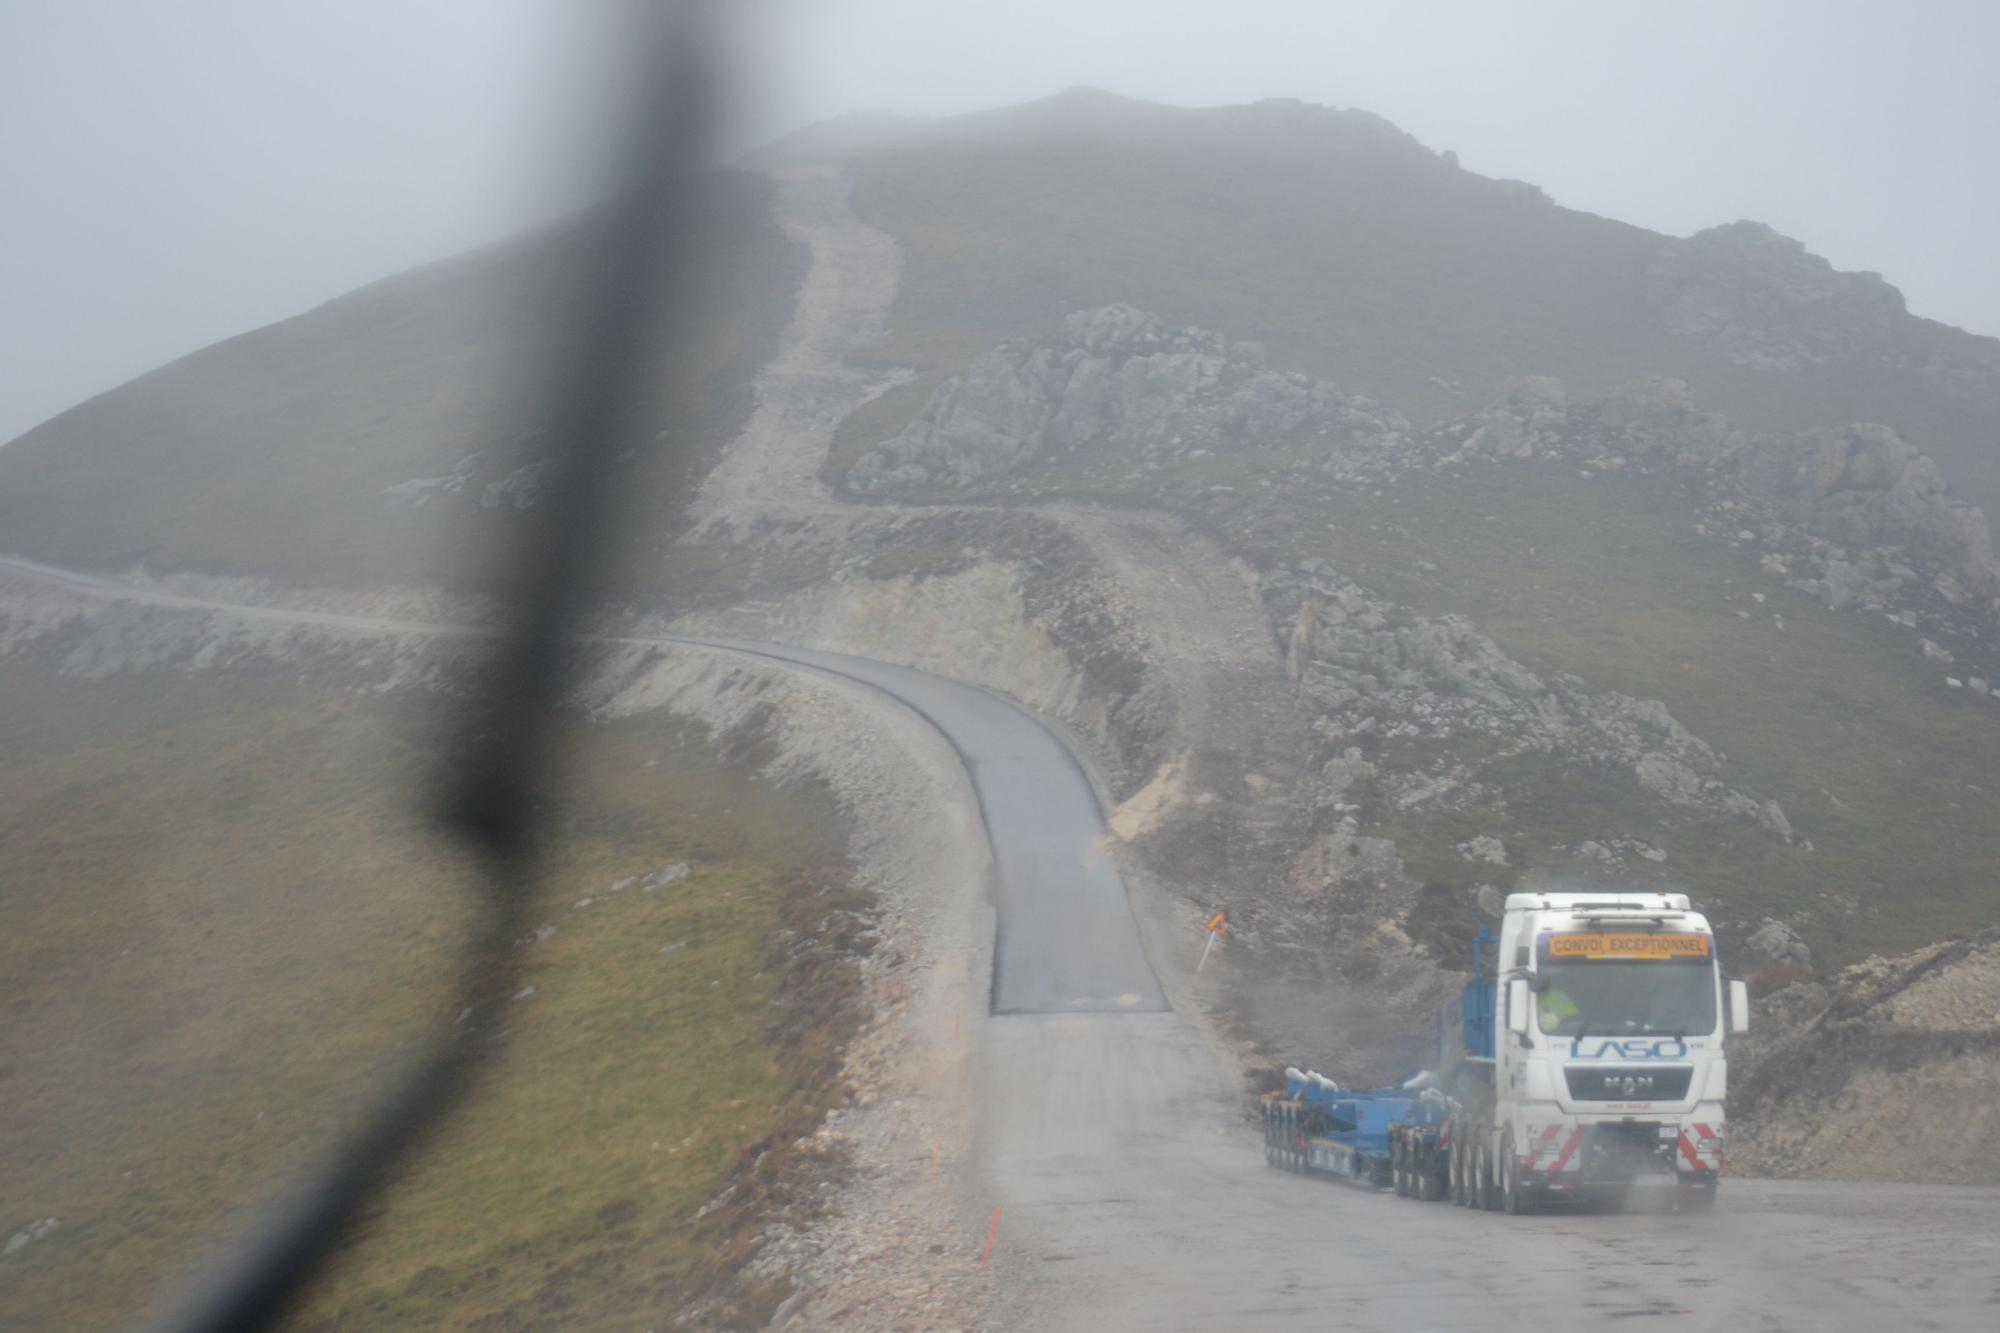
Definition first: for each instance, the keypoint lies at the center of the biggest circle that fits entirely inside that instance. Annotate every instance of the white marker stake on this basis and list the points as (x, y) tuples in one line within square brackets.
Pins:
[(1217, 925)]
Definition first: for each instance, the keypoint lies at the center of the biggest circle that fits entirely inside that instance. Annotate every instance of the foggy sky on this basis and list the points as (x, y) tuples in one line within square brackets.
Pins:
[(180, 172)]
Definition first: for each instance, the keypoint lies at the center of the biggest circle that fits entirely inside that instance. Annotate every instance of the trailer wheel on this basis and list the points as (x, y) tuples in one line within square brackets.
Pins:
[(1399, 1175), (1433, 1180), (1455, 1172), (1485, 1195)]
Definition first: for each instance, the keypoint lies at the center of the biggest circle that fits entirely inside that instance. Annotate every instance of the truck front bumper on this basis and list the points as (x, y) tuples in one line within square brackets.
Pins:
[(1621, 1154)]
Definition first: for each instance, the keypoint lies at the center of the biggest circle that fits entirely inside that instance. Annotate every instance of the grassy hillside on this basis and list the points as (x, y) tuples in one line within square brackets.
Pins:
[(224, 918), (1352, 253), (272, 453), (1884, 770)]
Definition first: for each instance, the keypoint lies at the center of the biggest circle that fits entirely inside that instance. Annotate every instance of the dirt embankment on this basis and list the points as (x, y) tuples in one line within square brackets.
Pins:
[(1888, 1070)]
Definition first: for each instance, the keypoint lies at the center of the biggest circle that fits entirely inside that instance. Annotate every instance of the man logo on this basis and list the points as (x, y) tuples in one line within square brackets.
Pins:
[(1633, 1084)]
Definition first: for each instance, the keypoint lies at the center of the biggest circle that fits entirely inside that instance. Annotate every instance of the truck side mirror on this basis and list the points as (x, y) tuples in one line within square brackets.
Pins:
[(1739, 1006), (1517, 1005)]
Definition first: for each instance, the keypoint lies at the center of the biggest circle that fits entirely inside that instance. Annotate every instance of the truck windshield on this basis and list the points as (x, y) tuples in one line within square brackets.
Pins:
[(1614, 997)]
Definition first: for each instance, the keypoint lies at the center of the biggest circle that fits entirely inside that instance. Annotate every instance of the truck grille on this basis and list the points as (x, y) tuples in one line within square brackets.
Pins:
[(1628, 1083)]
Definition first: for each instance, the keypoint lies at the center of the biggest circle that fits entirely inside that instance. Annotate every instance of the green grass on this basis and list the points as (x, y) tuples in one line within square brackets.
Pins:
[(224, 920)]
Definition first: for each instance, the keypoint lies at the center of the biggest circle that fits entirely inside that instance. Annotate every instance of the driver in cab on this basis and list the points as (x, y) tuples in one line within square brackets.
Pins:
[(1554, 1008)]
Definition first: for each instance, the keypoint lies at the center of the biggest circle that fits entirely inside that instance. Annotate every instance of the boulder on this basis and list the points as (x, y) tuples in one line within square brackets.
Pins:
[(1484, 848), (1779, 943)]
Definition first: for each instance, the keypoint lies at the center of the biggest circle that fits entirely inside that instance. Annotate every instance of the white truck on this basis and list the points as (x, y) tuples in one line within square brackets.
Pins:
[(1585, 1060)]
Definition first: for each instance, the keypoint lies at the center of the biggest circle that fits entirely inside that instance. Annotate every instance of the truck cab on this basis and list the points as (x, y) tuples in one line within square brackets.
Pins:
[(1609, 1061), (1609, 1016)]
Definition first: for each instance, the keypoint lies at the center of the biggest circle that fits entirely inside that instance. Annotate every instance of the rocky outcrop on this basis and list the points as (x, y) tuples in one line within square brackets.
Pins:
[(1649, 420), (1854, 515), (1375, 673), (1114, 377), (1761, 299), (1865, 486), (1861, 517)]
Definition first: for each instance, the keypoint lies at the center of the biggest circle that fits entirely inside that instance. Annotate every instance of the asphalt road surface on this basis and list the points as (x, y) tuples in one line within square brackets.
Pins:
[(1067, 942), (1132, 1184)]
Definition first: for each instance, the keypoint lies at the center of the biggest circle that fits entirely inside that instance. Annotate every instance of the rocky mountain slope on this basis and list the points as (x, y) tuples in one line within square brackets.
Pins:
[(1360, 256), (1425, 726)]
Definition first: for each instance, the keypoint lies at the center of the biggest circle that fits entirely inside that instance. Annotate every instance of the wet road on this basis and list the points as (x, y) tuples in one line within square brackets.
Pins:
[(1067, 942), (1134, 1193)]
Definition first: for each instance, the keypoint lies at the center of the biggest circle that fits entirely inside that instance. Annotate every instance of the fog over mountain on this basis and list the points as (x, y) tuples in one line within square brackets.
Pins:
[(197, 172)]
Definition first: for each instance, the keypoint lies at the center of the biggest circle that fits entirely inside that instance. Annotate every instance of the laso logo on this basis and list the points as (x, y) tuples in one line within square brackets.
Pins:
[(1629, 1048)]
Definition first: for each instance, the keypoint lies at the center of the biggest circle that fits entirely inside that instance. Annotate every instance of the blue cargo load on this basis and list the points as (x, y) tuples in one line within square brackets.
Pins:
[(1466, 1028), (1316, 1125)]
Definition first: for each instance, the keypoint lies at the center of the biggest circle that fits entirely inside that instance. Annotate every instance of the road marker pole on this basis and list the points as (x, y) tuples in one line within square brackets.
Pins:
[(1216, 925), (992, 1230)]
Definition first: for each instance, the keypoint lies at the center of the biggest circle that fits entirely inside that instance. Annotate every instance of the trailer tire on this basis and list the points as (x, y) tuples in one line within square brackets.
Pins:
[(1485, 1191), (1461, 1194), (1399, 1174), (1434, 1186)]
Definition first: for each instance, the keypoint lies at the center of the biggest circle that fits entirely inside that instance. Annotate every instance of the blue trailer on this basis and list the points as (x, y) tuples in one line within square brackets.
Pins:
[(1315, 1125)]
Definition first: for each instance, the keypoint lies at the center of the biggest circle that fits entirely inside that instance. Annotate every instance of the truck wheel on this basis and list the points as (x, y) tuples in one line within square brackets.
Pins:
[(1486, 1195), (1516, 1198), (1399, 1174), (1434, 1186), (1455, 1173)]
